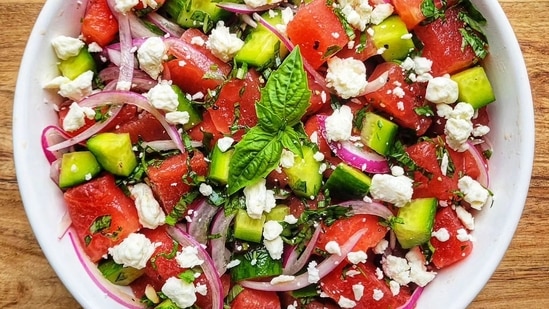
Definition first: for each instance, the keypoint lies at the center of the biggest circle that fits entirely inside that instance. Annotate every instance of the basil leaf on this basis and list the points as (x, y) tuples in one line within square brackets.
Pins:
[(291, 140), (254, 157), (285, 97)]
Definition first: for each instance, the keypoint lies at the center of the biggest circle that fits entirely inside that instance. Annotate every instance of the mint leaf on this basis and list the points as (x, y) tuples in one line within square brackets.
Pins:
[(255, 156), (285, 97), (430, 11)]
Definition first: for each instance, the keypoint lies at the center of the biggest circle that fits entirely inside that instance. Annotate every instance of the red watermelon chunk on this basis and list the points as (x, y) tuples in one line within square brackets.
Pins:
[(400, 107), (170, 179), (318, 32), (102, 215), (453, 250), (443, 45)]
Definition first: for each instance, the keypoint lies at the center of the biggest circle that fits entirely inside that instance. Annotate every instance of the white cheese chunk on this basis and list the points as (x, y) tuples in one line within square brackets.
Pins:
[(346, 76), (66, 47), (162, 96), (150, 55), (223, 44), (76, 117), (149, 211), (258, 199), (183, 294), (339, 124), (396, 190), (134, 251)]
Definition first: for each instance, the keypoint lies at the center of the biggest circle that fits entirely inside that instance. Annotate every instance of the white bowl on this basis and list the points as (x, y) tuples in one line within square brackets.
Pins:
[(512, 136)]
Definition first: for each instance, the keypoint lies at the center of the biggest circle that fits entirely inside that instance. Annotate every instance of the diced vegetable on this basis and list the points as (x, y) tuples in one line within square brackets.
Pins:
[(414, 222)]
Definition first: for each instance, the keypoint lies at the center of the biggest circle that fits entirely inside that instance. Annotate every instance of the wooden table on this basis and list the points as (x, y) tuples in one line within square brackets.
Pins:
[(521, 281)]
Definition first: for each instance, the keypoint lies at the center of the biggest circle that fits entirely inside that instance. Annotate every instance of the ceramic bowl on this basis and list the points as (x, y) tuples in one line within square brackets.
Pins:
[(512, 136)]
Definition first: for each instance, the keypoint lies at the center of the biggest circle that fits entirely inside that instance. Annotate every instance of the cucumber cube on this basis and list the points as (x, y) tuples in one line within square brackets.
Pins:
[(474, 87), (392, 35), (416, 220), (378, 133)]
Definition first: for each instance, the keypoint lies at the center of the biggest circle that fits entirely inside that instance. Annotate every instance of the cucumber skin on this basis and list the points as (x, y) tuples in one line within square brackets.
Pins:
[(418, 219), (255, 264), (347, 182)]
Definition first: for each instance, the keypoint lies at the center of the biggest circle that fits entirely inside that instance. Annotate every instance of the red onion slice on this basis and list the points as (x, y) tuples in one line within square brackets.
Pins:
[(106, 287), (89, 132), (117, 97), (52, 135), (165, 25), (364, 160), (245, 9), (412, 301), (318, 78), (220, 254), (361, 207), (296, 261), (301, 281), (216, 286), (201, 217), (483, 178)]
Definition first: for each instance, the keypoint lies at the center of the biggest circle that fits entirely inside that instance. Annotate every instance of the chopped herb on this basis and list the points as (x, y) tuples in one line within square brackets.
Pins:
[(358, 119), (100, 223), (168, 256), (400, 156), (87, 240), (187, 276), (424, 111), (180, 208), (431, 12)]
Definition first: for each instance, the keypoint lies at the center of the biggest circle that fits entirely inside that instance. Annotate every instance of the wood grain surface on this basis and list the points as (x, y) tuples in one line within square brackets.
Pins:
[(521, 281)]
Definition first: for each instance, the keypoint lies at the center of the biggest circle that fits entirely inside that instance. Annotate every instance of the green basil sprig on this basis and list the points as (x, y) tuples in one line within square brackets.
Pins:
[(284, 101)]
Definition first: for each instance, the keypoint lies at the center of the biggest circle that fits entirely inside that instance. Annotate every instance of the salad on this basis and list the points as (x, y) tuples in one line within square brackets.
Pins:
[(271, 154)]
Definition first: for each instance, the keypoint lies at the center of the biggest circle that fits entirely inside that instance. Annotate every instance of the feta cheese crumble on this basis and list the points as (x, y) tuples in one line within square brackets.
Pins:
[(177, 117), (66, 47), (346, 76), (124, 6), (150, 55), (356, 257), (313, 275), (149, 211), (474, 193), (332, 247), (339, 124), (76, 89), (442, 89), (287, 159), (441, 234), (258, 199), (75, 118), (163, 97), (183, 294), (223, 44), (134, 251), (188, 257), (225, 143), (396, 190)]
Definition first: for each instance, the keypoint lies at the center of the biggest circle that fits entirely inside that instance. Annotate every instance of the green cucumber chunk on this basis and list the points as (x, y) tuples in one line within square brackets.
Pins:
[(474, 87), (255, 264), (278, 213), (378, 133), (304, 177), (74, 66), (185, 105), (247, 228), (113, 152), (261, 46), (195, 13), (392, 35), (218, 171), (167, 304), (118, 274), (77, 167), (347, 182), (414, 223)]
